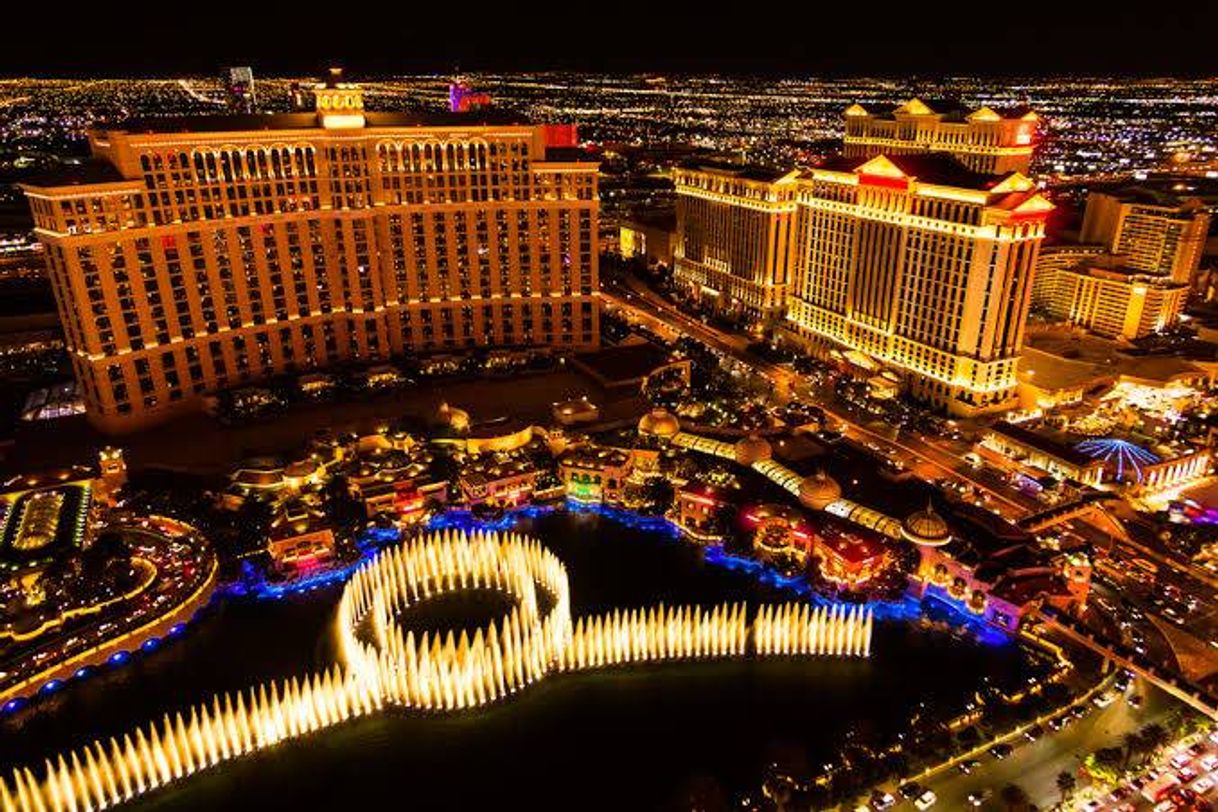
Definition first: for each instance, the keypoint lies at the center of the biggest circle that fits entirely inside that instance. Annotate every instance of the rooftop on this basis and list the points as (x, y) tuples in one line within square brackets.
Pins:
[(308, 121), (1054, 359), (743, 171), (936, 168), (1042, 442), (88, 172), (952, 110)]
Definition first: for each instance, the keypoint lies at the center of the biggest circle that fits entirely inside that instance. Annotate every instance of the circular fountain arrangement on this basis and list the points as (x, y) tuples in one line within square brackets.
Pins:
[(382, 663)]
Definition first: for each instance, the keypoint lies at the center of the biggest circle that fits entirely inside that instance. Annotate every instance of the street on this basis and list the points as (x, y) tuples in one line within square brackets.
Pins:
[(1034, 766)]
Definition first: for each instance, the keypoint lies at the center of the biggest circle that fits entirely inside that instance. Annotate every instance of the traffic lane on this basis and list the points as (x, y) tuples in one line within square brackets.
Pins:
[(1142, 597), (1034, 766)]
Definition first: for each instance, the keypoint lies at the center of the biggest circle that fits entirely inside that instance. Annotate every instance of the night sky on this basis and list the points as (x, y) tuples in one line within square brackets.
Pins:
[(1001, 37)]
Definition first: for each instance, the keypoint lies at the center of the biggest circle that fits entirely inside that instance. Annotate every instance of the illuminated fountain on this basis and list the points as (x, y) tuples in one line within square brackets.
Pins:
[(382, 664)]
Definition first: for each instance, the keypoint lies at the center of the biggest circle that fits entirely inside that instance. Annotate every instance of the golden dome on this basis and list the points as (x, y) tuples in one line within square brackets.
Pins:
[(926, 527), (457, 419), (818, 490), (659, 423), (751, 449)]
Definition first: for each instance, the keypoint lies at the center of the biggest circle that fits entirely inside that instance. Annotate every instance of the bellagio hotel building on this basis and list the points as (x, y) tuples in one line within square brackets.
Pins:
[(194, 254), (917, 257)]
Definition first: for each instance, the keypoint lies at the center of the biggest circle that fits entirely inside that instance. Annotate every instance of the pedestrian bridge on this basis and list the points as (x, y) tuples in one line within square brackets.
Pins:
[(1090, 504)]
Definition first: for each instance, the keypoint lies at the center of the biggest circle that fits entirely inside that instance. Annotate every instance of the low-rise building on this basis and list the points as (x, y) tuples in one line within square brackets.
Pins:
[(596, 475), (850, 557), (1040, 451), (703, 511), (394, 482), (497, 482), (1000, 579), (299, 537)]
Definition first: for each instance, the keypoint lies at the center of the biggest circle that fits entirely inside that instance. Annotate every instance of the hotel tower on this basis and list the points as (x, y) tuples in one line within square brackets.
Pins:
[(920, 260), (194, 254)]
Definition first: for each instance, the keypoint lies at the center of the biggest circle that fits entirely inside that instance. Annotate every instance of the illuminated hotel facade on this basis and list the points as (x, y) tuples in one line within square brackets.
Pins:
[(1117, 303), (982, 140), (1132, 275), (913, 261), (197, 254), (1156, 238), (733, 240), (921, 268)]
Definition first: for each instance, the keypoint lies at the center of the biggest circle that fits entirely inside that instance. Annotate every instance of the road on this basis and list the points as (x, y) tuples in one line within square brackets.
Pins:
[(1034, 766)]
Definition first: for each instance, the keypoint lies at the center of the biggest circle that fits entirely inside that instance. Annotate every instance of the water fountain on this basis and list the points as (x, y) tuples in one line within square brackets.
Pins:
[(381, 663)]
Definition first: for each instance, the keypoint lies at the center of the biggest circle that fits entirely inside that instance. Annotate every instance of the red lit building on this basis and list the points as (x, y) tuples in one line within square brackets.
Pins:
[(702, 511)]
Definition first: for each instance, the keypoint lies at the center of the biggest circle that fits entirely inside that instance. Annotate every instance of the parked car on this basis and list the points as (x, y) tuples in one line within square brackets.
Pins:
[(1001, 751), (881, 801)]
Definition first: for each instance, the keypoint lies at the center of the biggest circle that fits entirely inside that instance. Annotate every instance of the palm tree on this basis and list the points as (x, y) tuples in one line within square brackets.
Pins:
[(1065, 784), (1014, 797), (1153, 736), (1133, 744)]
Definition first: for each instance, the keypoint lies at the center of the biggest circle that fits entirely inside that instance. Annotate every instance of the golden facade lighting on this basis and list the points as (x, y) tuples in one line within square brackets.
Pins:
[(982, 140), (912, 260), (197, 254), (733, 232)]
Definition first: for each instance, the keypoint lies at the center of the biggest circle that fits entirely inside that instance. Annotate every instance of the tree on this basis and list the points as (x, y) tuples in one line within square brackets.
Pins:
[(1105, 764), (1065, 784), (658, 492), (1133, 745), (1014, 797), (1153, 737)]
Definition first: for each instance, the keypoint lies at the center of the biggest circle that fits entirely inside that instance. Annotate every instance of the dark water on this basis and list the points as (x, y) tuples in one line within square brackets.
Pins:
[(621, 739)]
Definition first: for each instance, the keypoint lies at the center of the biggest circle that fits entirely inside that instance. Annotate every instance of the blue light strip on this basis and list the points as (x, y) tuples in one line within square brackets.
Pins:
[(253, 582), (115, 660)]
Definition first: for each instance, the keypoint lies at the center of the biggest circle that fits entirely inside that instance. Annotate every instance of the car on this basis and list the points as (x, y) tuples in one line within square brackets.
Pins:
[(1166, 806), (979, 797), (1187, 774), (882, 800), (1079, 711), (1197, 748), (926, 800), (1056, 723), (1202, 785), (1119, 794), (1093, 805), (1033, 733), (1000, 751), (1210, 763), (1180, 760), (1183, 796), (1135, 700), (1102, 701), (967, 767), (909, 791)]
